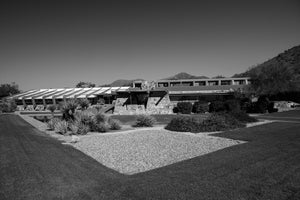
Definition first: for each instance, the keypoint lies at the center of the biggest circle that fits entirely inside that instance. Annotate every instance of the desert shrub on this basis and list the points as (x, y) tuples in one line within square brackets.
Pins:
[(271, 108), (184, 107), (8, 106), (102, 127), (61, 127), (232, 105), (101, 118), (73, 126), (175, 110), (219, 122), (144, 121), (215, 122), (114, 124), (68, 109), (200, 107), (262, 104), (217, 106), (51, 108), (84, 103), (51, 123), (183, 123), (242, 116)]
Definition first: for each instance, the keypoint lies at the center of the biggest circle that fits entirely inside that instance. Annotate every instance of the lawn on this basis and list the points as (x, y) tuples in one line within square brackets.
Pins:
[(36, 166)]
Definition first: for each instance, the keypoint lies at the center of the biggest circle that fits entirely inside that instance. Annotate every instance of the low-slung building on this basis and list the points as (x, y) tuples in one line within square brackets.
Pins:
[(145, 97)]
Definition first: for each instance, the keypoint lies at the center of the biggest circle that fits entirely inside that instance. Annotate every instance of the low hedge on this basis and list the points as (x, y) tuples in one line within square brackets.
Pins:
[(184, 107), (218, 121), (200, 107)]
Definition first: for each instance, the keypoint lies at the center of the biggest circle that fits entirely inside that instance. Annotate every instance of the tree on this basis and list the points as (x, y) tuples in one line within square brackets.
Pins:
[(9, 89), (272, 79), (82, 84)]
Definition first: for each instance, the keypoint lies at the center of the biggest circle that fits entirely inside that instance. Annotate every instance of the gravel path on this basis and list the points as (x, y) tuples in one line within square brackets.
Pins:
[(137, 151)]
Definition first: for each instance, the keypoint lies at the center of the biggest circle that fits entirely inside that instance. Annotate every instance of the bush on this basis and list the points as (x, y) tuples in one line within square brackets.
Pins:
[(184, 107), (68, 109), (114, 124), (51, 123), (73, 126), (77, 127), (101, 118), (200, 107), (183, 124), (144, 121), (242, 116), (51, 108), (215, 122), (232, 105), (84, 103), (102, 127), (85, 117), (219, 122), (262, 104), (8, 106), (271, 108), (61, 127), (217, 106)]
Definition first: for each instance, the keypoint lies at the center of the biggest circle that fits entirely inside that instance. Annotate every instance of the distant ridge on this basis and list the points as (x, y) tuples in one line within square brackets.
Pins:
[(184, 75), (121, 82), (289, 59)]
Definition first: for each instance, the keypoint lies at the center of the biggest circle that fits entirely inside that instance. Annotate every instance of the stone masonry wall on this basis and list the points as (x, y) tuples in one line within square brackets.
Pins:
[(164, 107)]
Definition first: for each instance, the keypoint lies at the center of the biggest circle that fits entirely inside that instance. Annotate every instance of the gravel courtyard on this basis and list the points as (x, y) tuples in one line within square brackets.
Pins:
[(135, 151)]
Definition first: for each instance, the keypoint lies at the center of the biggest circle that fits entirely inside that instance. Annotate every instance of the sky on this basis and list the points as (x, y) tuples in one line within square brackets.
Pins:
[(55, 44)]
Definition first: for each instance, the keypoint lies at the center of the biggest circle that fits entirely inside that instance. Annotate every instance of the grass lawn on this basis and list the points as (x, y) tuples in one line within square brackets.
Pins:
[(35, 166)]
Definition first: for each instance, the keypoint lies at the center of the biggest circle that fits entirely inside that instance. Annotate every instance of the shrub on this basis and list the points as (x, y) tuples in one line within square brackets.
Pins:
[(51, 123), (184, 107), (262, 104), (68, 109), (242, 116), (101, 118), (73, 126), (144, 121), (219, 122), (217, 106), (114, 124), (51, 108), (61, 127), (215, 122), (8, 106), (232, 105), (271, 108), (183, 124), (200, 107), (102, 127), (84, 103)]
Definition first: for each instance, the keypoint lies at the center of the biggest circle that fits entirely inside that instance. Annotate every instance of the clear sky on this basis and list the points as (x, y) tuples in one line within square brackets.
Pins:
[(50, 44)]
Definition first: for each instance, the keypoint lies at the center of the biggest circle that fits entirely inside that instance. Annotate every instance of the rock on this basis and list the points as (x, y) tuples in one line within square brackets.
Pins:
[(75, 139)]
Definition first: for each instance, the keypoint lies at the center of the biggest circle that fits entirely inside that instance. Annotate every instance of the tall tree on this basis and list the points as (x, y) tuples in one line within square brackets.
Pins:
[(8, 89)]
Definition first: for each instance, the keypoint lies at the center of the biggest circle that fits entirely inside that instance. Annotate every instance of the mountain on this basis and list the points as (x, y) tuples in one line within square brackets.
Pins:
[(289, 59), (184, 75), (121, 82)]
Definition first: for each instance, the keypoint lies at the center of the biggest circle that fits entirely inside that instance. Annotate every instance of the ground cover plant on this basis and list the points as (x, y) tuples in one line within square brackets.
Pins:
[(144, 121)]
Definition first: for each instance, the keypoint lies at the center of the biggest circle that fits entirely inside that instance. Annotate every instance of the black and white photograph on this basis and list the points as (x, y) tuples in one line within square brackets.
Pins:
[(150, 99)]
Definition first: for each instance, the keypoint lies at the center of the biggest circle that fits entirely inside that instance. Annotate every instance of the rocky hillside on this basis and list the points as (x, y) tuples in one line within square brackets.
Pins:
[(289, 59)]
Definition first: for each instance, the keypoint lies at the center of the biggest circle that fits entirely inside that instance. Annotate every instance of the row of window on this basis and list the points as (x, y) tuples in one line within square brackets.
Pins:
[(203, 83)]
